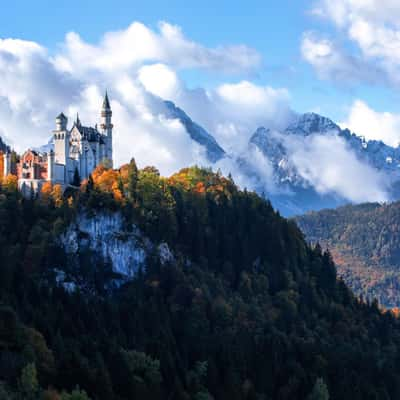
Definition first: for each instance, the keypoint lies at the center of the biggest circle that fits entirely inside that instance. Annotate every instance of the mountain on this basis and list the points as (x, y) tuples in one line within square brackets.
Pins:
[(196, 132), (365, 243), (292, 187), (141, 286), (295, 191)]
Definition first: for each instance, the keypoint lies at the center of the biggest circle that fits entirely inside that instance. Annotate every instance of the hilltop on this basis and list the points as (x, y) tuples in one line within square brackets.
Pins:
[(201, 291)]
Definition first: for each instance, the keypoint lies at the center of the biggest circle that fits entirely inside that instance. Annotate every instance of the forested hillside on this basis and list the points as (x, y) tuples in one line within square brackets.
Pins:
[(244, 309), (365, 243)]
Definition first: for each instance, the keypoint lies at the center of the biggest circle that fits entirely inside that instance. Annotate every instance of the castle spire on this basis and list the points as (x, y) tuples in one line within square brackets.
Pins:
[(106, 127), (78, 121), (106, 102)]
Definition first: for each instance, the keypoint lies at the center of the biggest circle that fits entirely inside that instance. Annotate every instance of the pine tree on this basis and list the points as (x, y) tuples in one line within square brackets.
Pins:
[(90, 184), (132, 179), (76, 394), (29, 384), (320, 391), (76, 180)]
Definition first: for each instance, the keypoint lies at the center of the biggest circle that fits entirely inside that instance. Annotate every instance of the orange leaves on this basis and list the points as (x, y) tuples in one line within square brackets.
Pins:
[(45, 192), (52, 192), (107, 180), (150, 187), (10, 182), (200, 187), (57, 195), (200, 181)]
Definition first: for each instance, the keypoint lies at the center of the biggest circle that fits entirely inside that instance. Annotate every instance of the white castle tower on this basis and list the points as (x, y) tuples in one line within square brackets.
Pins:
[(61, 140), (79, 149), (7, 163), (106, 129)]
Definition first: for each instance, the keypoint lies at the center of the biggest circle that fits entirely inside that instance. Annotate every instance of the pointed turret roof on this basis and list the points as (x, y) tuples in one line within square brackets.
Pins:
[(61, 116), (78, 121), (106, 102)]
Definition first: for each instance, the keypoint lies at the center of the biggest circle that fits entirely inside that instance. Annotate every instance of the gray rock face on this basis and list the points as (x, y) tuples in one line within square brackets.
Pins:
[(196, 132), (105, 234)]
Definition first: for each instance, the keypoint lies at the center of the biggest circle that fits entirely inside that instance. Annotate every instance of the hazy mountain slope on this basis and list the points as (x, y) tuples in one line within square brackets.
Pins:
[(292, 187), (296, 190), (365, 243), (196, 132)]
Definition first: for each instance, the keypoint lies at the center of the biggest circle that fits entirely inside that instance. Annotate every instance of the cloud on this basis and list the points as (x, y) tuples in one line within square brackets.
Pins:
[(341, 11), (373, 125), (333, 63), (373, 27), (136, 45), (140, 67), (160, 80), (328, 164)]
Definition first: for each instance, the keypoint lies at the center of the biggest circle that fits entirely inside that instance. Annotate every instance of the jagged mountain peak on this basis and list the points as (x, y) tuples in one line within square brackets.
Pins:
[(311, 122)]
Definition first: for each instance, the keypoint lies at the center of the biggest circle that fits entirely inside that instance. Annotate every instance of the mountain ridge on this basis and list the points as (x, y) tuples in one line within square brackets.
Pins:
[(364, 241), (292, 190)]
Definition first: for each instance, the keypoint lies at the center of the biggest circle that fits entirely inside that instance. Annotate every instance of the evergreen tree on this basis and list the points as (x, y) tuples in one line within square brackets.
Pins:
[(320, 391), (76, 394), (29, 385), (90, 184), (133, 176), (76, 180)]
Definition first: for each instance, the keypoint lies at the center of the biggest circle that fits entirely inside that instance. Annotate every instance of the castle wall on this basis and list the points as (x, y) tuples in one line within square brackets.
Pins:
[(27, 186), (59, 173)]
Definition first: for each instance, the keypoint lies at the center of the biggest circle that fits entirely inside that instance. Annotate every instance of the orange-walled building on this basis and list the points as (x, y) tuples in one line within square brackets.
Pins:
[(32, 165)]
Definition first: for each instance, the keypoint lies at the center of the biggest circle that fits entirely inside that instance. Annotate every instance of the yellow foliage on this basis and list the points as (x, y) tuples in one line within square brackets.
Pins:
[(45, 192), (106, 180), (57, 195), (10, 182)]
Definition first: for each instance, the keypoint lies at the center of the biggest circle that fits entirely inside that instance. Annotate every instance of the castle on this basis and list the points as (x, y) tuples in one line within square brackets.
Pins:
[(74, 153)]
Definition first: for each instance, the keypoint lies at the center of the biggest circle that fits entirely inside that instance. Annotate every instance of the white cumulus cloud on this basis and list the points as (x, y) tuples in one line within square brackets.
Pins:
[(331, 62), (373, 28), (140, 67), (138, 44), (365, 121), (328, 164)]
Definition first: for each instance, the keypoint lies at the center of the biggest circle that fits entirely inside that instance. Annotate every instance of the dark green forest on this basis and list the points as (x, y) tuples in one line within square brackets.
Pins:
[(246, 310), (365, 243)]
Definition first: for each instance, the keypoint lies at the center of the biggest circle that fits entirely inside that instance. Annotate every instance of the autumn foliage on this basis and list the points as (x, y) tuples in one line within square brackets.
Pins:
[(10, 182)]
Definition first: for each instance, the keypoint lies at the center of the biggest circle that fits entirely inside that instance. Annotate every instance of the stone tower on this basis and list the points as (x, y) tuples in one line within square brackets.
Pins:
[(61, 140), (7, 163), (106, 129)]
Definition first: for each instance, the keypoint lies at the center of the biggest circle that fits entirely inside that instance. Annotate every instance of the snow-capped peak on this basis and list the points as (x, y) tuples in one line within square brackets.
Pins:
[(309, 123)]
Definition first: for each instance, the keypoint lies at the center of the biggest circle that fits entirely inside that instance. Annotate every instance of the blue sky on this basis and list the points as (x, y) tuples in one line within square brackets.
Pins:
[(232, 66), (273, 28)]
